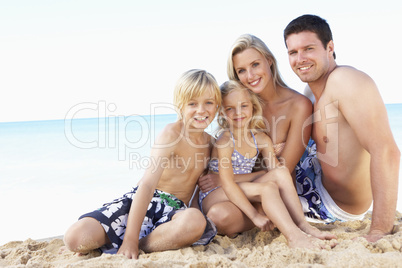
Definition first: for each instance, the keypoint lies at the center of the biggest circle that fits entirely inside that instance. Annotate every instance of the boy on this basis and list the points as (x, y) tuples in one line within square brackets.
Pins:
[(154, 215)]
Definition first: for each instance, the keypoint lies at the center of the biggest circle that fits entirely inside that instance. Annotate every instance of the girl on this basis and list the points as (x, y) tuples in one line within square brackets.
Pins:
[(242, 137)]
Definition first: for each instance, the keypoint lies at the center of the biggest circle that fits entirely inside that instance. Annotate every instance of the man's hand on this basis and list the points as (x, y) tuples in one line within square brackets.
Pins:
[(375, 235), (208, 182)]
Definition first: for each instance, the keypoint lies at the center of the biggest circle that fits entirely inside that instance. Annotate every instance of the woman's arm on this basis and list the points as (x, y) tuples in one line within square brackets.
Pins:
[(299, 131)]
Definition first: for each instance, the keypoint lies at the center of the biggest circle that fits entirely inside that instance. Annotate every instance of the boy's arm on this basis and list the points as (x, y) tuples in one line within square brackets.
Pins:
[(143, 196), (363, 108)]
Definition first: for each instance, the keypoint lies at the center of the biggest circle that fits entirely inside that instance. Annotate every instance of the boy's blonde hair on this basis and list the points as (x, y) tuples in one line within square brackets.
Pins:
[(193, 84), (257, 123)]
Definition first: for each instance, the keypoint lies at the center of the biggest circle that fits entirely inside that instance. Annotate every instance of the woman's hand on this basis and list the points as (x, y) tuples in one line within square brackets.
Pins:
[(208, 182)]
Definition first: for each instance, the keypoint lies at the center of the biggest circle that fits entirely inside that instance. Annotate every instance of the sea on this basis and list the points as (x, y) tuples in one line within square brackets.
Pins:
[(53, 171)]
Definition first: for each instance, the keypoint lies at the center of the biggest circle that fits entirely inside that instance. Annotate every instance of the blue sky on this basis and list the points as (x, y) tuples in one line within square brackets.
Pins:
[(56, 56)]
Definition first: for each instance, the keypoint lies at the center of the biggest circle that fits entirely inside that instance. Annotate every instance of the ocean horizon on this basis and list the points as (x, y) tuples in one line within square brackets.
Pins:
[(53, 171)]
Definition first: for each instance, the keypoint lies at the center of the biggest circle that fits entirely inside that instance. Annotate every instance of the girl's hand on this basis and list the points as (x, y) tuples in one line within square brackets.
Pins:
[(262, 222), (208, 182), (130, 250)]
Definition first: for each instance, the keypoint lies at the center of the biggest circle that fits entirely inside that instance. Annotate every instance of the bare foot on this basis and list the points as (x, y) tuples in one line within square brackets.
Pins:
[(303, 240), (311, 230)]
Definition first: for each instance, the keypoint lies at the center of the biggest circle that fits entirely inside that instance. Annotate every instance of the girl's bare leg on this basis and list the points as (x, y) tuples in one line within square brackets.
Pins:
[(282, 178), (268, 194), (229, 219)]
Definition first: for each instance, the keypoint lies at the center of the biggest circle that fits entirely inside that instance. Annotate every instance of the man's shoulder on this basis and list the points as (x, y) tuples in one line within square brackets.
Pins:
[(347, 74), (347, 81)]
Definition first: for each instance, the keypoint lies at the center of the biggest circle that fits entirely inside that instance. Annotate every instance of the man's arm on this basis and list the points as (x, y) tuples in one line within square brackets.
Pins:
[(363, 108)]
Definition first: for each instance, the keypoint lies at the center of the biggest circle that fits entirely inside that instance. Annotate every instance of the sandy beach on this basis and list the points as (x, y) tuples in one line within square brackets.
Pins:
[(250, 249)]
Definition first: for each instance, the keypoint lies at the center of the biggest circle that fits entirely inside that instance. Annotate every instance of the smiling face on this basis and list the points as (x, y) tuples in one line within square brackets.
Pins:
[(238, 108), (309, 59), (200, 111), (253, 69)]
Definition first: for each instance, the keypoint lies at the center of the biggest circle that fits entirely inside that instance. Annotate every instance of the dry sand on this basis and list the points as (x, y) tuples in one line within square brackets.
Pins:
[(250, 249)]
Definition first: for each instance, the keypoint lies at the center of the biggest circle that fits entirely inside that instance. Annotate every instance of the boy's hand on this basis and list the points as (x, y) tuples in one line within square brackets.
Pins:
[(130, 250), (262, 222), (208, 182)]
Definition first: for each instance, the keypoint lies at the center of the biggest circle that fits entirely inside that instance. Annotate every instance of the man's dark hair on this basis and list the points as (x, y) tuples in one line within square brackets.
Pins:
[(310, 23)]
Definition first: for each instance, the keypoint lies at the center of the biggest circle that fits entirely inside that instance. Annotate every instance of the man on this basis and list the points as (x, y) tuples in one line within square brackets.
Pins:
[(358, 159)]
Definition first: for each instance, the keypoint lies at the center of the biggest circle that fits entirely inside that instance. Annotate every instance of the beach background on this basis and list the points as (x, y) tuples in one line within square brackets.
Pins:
[(87, 85), (54, 171)]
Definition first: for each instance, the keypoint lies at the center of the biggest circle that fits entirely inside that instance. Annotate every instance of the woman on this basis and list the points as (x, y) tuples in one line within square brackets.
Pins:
[(287, 114)]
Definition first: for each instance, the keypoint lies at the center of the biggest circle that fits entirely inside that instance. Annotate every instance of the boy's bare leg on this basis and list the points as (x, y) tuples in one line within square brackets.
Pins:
[(291, 200), (85, 235), (185, 228)]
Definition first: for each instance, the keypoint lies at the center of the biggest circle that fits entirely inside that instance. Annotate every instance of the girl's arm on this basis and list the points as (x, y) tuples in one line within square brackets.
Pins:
[(212, 180), (232, 189), (265, 145), (144, 194)]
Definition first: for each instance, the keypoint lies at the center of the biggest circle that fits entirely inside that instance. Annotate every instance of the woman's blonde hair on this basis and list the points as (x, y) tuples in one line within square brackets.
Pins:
[(193, 84), (257, 123), (246, 41)]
